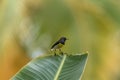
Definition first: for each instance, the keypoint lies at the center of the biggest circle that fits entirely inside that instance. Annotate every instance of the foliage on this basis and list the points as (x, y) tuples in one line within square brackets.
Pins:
[(51, 67)]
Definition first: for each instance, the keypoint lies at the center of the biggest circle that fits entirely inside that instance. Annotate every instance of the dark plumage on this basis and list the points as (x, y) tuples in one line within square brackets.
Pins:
[(59, 43)]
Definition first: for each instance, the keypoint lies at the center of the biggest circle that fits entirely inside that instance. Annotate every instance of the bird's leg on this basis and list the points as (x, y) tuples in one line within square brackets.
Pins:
[(61, 51), (55, 52)]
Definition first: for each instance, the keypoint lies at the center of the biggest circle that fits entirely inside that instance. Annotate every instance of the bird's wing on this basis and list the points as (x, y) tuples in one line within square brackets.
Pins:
[(55, 44)]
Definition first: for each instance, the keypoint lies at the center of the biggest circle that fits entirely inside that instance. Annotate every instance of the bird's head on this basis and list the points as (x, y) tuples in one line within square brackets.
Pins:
[(63, 38)]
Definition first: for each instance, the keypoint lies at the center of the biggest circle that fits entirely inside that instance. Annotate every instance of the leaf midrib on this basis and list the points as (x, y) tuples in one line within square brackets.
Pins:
[(60, 68)]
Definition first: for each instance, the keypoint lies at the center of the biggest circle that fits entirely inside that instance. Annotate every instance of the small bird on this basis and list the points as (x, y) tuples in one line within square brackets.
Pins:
[(59, 44)]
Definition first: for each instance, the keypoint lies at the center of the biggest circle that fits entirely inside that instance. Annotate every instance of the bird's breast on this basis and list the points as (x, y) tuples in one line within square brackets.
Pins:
[(58, 46)]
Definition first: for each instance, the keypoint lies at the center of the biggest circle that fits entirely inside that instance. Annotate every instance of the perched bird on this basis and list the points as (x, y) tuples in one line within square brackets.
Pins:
[(59, 44)]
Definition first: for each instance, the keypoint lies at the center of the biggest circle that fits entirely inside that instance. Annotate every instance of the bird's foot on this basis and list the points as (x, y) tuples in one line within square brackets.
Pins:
[(55, 54), (61, 53)]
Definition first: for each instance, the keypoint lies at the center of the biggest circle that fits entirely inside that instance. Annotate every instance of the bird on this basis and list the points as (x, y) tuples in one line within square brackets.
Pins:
[(59, 44)]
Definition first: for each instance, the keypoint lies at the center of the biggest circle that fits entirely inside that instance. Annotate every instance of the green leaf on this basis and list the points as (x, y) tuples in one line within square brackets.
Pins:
[(53, 68)]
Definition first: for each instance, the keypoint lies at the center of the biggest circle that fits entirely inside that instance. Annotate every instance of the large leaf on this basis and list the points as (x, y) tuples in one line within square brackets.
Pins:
[(53, 68)]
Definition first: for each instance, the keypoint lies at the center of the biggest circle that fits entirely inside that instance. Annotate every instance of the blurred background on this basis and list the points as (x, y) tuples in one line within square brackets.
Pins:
[(28, 28)]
